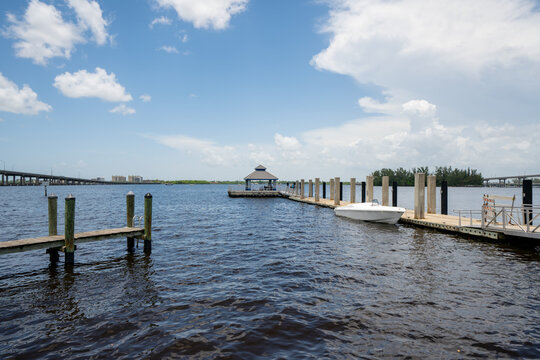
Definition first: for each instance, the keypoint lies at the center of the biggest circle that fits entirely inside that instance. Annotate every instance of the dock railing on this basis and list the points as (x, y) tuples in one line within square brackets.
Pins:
[(524, 218)]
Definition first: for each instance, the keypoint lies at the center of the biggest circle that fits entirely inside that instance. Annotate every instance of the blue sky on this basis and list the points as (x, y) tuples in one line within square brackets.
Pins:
[(192, 89)]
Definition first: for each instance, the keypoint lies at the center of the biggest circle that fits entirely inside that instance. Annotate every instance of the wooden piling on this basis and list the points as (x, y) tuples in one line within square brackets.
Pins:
[(431, 194), (310, 188), (385, 185), (444, 197), (302, 189), (363, 191), (394, 193), (324, 190), (317, 189), (341, 191), (336, 190), (53, 226), (527, 201), (332, 189), (148, 223), (130, 213), (419, 196), (369, 190), (353, 190), (69, 232)]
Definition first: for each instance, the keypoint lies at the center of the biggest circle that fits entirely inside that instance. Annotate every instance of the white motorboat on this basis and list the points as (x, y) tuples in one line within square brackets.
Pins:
[(370, 211)]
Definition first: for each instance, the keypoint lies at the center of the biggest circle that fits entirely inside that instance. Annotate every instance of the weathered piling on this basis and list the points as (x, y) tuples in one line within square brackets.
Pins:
[(337, 183), (419, 197), (332, 189), (69, 232), (310, 188), (431, 194), (53, 225), (353, 190), (130, 213), (324, 190), (444, 197), (363, 191), (148, 223), (317, 189), (369, 185), (527, 201), (297, 188), (302, 189), (385, 184), (394, 193)]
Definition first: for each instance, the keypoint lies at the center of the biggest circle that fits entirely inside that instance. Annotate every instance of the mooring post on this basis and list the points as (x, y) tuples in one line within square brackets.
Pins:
[(317, 189), (369, 191), (340, 191), (431, 197), (337, 188), (324, 189), (363, 191), (130, 212), (353, 190), (394, 193), (385, 189), (310, 190), (527, 201), (69, 232), (148, 223), (302, 189), (419, 195), (297, 188), (332, 189), (53, 229), (444, 197)]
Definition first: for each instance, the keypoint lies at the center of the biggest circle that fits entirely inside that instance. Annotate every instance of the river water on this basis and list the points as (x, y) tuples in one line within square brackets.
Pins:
[(261, 278)]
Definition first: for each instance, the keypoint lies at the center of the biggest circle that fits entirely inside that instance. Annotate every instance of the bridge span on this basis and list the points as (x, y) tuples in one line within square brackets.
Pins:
[(19, 178), (502, 179)]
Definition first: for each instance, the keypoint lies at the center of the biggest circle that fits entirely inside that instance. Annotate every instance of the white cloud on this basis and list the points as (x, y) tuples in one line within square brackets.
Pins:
[(145, 98), (214, 14), (19, 101), (398, 138), (286, 142), (90, 16), (42, 33), (160, 20), (477, 60), (207, 150), (123, 109), (98, 84), (184, 38), (169, 49)]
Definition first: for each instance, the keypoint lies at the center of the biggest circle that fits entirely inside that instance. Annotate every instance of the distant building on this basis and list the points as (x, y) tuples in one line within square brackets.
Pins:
[(118, 178), (135, 178)]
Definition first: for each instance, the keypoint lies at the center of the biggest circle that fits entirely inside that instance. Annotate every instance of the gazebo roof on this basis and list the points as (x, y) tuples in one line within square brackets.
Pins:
[(260, 173)]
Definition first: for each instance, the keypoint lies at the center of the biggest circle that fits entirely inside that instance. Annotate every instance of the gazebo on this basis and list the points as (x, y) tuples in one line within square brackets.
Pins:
[(260, 174)]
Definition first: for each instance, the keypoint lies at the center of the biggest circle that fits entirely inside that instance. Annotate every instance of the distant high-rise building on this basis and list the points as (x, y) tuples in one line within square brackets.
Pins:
[(118, 178), (135, 178)]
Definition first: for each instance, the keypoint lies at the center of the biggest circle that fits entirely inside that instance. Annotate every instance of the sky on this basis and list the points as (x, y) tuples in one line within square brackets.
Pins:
[(209, 89)]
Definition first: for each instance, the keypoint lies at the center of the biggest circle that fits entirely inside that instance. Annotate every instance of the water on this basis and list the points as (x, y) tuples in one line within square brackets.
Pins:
[(260, 278)]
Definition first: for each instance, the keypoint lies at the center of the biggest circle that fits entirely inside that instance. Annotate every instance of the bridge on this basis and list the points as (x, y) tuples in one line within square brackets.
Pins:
[(502, 179), (18, 178)]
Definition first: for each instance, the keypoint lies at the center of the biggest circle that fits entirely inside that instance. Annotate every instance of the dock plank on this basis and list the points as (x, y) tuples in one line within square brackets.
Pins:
[(13, 246)]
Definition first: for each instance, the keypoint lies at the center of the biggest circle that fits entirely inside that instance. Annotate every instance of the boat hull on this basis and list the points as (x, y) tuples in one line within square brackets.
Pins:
[(370, 212)]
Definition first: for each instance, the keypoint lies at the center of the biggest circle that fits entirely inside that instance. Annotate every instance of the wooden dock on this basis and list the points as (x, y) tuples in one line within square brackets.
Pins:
[(464, 226), (66, 243), (58, 241)]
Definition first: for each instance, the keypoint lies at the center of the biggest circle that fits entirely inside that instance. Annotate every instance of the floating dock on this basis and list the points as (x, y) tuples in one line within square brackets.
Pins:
[(500, 226)]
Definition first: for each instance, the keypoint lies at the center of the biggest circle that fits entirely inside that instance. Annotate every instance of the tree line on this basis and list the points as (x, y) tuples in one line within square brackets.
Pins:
[(454, 177)]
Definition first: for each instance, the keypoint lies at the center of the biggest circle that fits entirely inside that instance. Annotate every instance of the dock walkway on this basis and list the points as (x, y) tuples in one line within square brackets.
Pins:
[(448, 223), (57, 241)]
